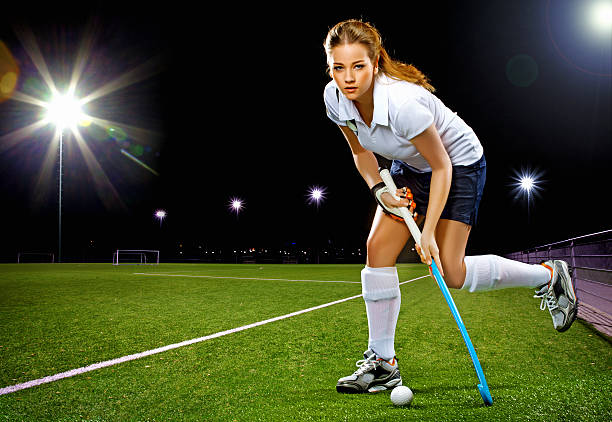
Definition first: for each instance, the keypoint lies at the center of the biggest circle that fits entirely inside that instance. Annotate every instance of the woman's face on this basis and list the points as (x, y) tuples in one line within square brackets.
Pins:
[(353, 71)]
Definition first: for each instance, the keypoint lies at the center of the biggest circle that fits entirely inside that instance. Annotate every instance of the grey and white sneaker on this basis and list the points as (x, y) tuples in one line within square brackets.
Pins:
[(559, 296), (374, 374)]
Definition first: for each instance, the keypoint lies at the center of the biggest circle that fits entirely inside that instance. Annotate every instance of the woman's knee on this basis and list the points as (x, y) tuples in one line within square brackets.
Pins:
[(454, 273), (386, 240), (374, 243), (382, 251), (377, 256)]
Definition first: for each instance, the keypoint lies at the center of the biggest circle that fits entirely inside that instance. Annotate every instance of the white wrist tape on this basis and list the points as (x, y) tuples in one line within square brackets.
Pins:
[(378, 190)]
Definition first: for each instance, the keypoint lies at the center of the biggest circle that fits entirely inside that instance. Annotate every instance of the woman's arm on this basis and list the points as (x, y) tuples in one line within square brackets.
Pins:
[(365, 161), (429, 144), (367, 165)]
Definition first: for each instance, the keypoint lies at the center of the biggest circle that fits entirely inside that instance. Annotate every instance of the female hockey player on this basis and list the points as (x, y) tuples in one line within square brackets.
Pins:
[(388, 108)]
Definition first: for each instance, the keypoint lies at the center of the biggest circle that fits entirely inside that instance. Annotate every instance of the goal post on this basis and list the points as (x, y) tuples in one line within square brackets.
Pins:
[(35, 258), (135, 257)]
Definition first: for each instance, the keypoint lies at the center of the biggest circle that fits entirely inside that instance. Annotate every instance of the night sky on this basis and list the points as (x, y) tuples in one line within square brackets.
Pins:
[(228, 103)]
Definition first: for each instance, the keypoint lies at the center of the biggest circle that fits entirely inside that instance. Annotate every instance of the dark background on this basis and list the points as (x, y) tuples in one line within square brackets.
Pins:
[(231, 101)]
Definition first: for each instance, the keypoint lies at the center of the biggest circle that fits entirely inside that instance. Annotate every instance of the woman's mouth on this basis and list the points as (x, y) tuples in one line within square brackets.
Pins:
[(350, 89)]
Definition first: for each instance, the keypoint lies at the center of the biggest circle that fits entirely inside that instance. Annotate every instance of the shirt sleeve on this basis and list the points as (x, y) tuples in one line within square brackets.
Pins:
[(412, 119), (332, 105)]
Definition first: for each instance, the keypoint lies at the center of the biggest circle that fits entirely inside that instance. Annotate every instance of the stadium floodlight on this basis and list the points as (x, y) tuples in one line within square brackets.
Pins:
[(236, 205), (581, 33), (64, 110), (601, 16), (316, 194), (526, 183), (160, 215)]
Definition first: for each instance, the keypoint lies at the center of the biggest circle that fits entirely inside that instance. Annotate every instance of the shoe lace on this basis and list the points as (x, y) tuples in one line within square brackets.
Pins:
[(366, 365), (548, 299)]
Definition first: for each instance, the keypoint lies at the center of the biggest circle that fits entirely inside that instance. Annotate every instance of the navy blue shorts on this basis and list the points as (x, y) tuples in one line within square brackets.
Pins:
[(465, 192)]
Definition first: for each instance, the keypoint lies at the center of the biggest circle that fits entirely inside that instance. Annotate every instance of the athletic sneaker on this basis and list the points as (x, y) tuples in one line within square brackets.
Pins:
[(559, 296), (374, 374)]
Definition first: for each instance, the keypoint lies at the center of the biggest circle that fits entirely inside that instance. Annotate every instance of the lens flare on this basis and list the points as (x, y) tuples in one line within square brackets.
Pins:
[(9, 73), (139, 162)]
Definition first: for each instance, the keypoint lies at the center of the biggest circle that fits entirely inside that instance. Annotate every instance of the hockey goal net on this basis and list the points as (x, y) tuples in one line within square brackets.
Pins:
[(135, 257)]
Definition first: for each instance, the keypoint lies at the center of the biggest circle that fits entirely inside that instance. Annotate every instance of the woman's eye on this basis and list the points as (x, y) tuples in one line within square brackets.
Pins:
[(358, 66), (337, 68)]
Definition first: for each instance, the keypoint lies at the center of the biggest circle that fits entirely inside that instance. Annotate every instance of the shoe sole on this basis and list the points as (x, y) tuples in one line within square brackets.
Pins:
[(349, 390), (352, 389), (384, 387), (570, 319), (568, 287)]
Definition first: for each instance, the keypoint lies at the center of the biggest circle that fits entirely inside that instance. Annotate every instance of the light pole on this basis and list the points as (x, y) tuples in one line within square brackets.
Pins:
[(59, 193), (316, 195), (63, 111), (527, 184), (236, 205)]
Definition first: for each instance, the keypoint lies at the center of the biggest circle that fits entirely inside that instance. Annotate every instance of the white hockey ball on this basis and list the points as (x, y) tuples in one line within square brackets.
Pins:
[(401, 396)]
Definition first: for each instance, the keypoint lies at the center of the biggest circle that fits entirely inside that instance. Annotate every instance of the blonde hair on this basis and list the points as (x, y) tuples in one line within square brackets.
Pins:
[(355, 31)]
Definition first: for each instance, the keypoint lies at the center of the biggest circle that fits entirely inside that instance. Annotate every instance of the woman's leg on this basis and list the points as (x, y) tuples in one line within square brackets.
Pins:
[(380, 283), (488, 272), (386, 240), (452, 237), (483, 272)]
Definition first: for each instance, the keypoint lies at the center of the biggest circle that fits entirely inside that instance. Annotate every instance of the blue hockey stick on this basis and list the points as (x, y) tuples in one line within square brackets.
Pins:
[(416, 234)]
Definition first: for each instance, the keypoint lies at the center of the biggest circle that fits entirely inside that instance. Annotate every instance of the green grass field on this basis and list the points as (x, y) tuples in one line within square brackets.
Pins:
[(59, 317)]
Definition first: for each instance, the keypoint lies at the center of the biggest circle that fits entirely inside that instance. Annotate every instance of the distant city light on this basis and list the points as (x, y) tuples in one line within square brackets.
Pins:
[(316, 194)]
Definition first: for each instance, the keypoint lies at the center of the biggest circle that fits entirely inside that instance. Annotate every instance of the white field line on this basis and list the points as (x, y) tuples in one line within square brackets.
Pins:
[(245, 278), (112, 362)]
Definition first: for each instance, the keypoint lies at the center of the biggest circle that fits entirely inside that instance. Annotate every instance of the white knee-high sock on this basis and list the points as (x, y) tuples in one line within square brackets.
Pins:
[(488, 272), (381, 292)]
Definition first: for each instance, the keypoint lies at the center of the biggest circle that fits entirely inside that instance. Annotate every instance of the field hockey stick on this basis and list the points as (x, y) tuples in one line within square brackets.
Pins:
[(416, 234)]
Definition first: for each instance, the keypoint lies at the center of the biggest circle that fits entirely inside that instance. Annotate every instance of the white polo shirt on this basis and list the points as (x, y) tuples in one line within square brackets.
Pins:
[(403, 110)]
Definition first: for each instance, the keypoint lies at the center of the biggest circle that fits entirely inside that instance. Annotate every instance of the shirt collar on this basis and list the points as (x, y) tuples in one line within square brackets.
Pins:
[(348, 111)]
